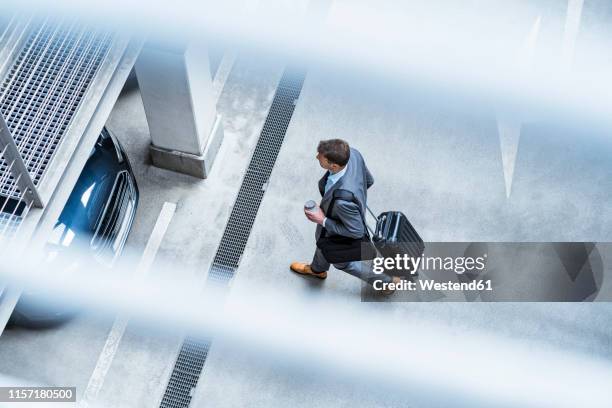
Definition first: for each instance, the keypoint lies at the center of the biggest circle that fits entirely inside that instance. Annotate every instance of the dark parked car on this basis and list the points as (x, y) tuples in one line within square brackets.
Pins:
[(92, 227)]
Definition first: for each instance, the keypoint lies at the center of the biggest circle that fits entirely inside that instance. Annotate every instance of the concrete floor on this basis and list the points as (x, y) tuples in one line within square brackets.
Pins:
[(437, 162), (443, 167)]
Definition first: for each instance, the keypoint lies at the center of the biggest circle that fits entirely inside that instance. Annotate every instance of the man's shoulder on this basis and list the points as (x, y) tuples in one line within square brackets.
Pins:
[(356, 155)]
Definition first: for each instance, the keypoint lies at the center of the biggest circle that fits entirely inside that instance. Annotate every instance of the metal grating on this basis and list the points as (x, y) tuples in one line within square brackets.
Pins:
[(193, 352), (44, 88)]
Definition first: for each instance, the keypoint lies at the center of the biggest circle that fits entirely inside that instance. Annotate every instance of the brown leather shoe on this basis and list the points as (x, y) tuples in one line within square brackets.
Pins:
[(304, 269)]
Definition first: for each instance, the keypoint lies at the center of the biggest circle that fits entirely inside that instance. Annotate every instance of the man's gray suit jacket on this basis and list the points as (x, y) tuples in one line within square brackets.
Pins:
[(346, 217)]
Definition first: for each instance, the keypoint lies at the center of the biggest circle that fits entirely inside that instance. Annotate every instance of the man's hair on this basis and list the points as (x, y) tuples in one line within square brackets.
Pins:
[(335, 150)]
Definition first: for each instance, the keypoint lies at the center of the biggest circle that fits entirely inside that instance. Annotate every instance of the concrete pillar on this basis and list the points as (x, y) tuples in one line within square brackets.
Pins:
[(177, 92)]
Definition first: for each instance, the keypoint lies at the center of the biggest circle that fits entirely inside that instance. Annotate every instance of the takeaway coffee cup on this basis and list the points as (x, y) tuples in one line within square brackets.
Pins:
[(310, 205)]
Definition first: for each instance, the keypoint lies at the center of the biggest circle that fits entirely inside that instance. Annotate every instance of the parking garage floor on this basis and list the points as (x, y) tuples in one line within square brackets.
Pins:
[(442, 167), (451, 185)]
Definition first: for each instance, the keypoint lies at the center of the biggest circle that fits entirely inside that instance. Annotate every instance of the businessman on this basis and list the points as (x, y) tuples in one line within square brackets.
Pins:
[(346, 170)]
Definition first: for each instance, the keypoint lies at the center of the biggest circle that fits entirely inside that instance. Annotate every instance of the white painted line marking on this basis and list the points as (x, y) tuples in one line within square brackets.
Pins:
[(509, 126), (114, 337), (509, 133)]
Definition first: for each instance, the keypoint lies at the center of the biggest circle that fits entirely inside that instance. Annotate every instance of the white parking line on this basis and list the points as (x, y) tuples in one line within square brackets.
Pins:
[(509, 126), (114, 337)]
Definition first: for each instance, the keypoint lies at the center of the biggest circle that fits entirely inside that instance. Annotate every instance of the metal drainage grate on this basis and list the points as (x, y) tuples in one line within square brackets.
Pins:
[(44, 88), (193, 353)]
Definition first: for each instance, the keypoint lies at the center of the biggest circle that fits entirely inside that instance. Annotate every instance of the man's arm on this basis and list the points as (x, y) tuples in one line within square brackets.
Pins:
[(349, 223)]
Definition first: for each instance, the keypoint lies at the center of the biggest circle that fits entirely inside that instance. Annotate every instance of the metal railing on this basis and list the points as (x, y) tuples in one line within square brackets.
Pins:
[(22, 194)]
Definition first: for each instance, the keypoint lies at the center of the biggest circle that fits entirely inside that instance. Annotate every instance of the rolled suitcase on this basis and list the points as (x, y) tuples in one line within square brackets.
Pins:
[(395, 235)]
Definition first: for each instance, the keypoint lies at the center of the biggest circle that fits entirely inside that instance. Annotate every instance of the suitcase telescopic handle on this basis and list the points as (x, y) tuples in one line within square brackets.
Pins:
[(366, 223), (369, 229), (371, 212)]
